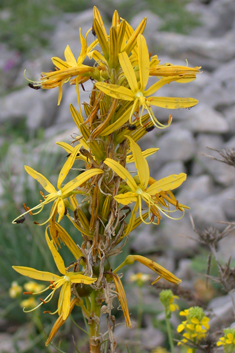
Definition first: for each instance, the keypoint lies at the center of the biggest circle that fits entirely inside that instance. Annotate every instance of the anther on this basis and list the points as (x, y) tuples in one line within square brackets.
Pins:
[(43, 301)]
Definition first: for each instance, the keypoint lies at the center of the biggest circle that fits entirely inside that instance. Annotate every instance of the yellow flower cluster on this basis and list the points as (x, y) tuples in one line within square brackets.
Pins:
[(109, 129), (228, 340), (195, 327), (167, 299)]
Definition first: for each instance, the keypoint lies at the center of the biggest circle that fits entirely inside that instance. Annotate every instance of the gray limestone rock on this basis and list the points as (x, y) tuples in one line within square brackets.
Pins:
[(204, 119), (170, 168), (229, 114), (196, 188), (154, 22), (223, 310), (221, 173), (220, 91), (176, 145)]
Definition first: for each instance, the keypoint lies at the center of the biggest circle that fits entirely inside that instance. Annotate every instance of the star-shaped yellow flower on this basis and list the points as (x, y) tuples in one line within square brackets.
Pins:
[(59, 196), (137, 92), (140, 191), (56, 282)]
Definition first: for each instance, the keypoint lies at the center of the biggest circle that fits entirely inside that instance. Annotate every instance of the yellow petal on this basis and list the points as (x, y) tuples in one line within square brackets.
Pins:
[(35, 274), (83, 51), (169, 183), (132, 40), (122, 172), (61, 64), (121, 34), (156, 86), (128, 71), (61, 209), (132, 219), (172, 102), (82, 230), (140, 163), (127, 198), (117, 124), (113, 48), (41, 179), (68, 148), (180, 328), (68, 241), (62, 297), (106, 208), (76, 116), (148, 152), (70, 59), (59, 322), (66, 301), (57, 258), (79, 278), (98, 57), (115, 19), (161, 271), (115, 91), (68, 165), (143, 58), (82, 178), (102, 37), (96, 15), (122, 298)]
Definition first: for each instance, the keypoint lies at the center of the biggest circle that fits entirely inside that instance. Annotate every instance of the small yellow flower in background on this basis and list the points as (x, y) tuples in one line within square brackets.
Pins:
[(33, 287), (29, 303), (159, 350), (140, 278), (228, 340), (167, 299), (15, 290), (195, 326)]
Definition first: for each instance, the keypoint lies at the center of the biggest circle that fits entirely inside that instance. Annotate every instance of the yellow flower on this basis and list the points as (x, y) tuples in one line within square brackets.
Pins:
[(122, 38), (137, 93), (15, 290), (140, 191), (33, 287), (196, 325), (56, 282), (159, 350), (59, 196), (167, 299), (28, 303), (228, 340), (69, 68), (140, 277)]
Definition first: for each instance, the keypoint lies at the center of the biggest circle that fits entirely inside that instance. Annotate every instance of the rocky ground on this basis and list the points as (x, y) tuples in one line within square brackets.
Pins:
[(210, 187)]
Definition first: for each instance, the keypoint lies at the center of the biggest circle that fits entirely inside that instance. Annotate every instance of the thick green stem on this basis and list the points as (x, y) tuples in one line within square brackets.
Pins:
[(169, 332), (94, 325)]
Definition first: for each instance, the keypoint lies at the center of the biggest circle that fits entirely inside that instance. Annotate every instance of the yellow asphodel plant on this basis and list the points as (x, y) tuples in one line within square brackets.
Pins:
[(106, 202)]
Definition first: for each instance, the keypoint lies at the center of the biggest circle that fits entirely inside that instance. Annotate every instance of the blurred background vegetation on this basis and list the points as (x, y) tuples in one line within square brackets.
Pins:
[(26, 26)]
